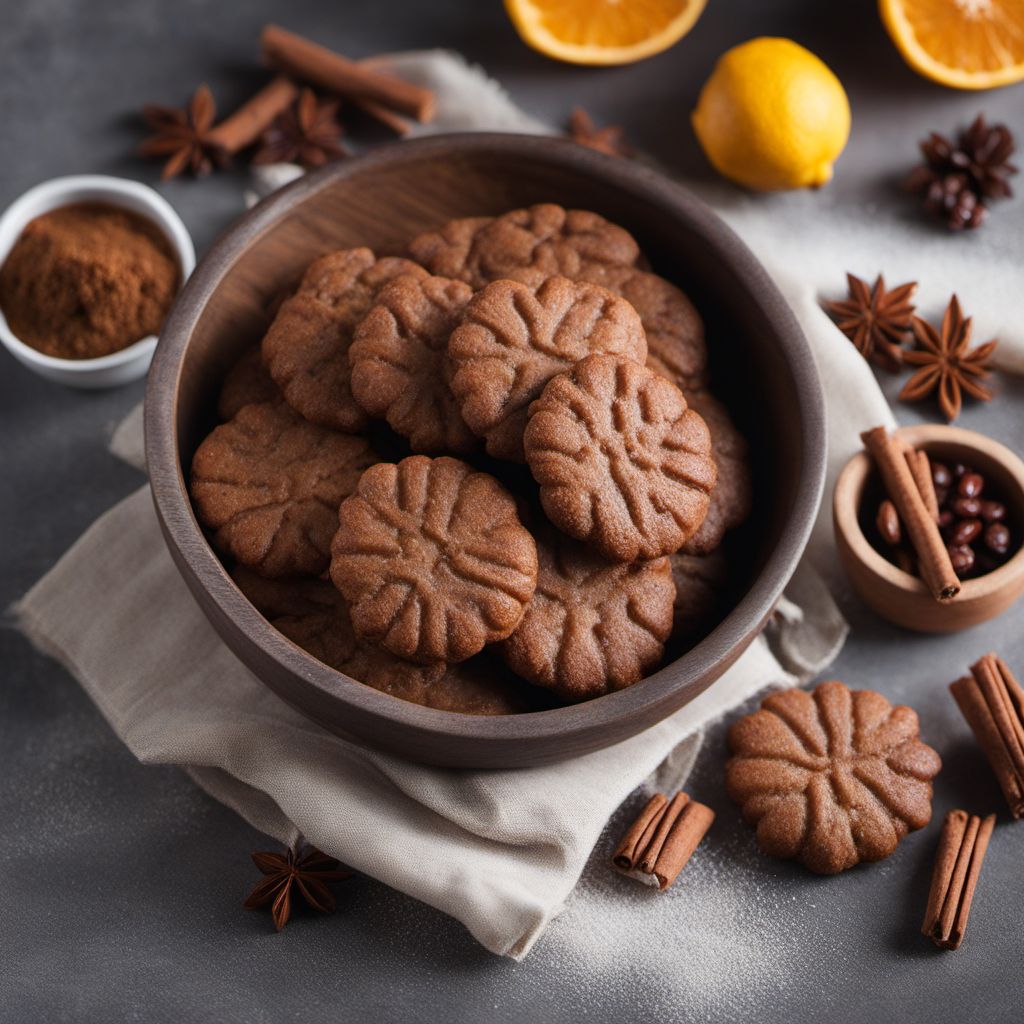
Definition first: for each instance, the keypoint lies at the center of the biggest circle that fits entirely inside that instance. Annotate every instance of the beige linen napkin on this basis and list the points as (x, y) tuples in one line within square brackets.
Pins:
[(498, 850)]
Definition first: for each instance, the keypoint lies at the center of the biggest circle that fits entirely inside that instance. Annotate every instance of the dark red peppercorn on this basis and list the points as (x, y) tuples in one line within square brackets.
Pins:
[(966, 508), (962, 558), (997, 538), (941, 475), (965, 531), (941, 495), (971, 485), (959, 469), (993, 511), (946, 518)]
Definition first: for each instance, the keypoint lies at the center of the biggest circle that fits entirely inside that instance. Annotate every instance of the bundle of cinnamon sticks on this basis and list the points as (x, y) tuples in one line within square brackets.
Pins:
[(907, 477), (992, 701), (962, 847), (662, 839)]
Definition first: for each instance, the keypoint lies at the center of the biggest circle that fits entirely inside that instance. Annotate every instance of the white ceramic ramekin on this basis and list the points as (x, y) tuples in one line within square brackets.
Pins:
[(129, 363)]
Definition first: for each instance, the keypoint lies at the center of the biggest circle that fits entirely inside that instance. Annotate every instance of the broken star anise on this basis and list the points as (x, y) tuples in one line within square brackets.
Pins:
[(308, 872), (608, 140), (307, 133), (959, 177), (947, 362), (875, 319), (183, 136)]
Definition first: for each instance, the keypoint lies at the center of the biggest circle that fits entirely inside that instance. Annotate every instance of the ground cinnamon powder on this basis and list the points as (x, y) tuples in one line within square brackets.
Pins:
[(86, 280)]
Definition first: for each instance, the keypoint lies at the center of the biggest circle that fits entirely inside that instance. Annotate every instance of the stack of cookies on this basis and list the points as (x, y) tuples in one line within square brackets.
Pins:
[(559, 479)]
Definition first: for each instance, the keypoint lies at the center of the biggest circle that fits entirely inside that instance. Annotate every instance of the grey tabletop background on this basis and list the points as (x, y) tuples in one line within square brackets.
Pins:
[(122, 884)]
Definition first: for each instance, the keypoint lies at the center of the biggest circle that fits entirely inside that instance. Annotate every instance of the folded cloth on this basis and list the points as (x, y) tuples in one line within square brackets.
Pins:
[(498, 850)]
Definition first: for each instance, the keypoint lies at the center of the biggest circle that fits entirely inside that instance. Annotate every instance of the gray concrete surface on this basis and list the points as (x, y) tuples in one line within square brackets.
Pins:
[(121, 884)]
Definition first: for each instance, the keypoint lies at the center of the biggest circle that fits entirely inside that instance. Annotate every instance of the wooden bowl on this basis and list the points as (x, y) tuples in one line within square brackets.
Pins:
[(760, 360), (895, 594)]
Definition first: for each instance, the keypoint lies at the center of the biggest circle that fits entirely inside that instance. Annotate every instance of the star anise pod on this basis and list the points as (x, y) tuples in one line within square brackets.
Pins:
[(605, 140), (183, 136), (947, 362), (309, 873), (876, 319), (957, 177), (307, 133)]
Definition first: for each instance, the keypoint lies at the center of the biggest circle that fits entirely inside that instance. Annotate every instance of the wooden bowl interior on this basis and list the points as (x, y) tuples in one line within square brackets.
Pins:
[(759, 367)]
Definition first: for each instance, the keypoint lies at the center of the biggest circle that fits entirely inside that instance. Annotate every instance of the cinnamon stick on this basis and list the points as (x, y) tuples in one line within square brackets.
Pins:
[(933, 559), (992, 701), (635, 841), (254, 116), (921, 470), (387, 117), (669, 817), (962, 847), (659, 843), (319, 66), (398, 124), (690, 828)]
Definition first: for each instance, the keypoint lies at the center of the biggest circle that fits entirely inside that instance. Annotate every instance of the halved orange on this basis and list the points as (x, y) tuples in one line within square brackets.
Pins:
[(965, 44), (602, 31)]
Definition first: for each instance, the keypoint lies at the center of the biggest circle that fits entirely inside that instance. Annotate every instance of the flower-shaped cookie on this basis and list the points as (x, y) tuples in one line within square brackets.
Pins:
[(622, 462), (832, 777), (674, 329), (307, 610), (541, 241), (268, 484), (514, 339), (246, 382), (475, 687), (313, 615), (527, 245), (433, 559), (592, 626), (306, 348), (449, 251), (731, 498), (702, 583), (399, 362)]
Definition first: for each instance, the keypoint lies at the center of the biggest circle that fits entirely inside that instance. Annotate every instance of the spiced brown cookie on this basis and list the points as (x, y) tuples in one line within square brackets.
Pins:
[(399, 361), (528, 245), (432, 559), (268, 484), (246, 382), (701, 588), (313, 615), (306, 348), (514, 339), (474, 687), (592, 626), (674, 329), (307, 610), (449, 250), (622, 462), (732, 496), (832, 777)]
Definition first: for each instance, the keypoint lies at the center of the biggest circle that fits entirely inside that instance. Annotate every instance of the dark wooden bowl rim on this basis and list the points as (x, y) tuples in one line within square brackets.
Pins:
[(183, 531)]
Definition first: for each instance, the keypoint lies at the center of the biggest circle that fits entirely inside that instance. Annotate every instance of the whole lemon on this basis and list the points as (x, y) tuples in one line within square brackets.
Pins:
[(772, 116)]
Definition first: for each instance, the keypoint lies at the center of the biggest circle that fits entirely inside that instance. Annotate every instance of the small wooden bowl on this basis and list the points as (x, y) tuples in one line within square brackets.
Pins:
[(759, 360), (895, 594)]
